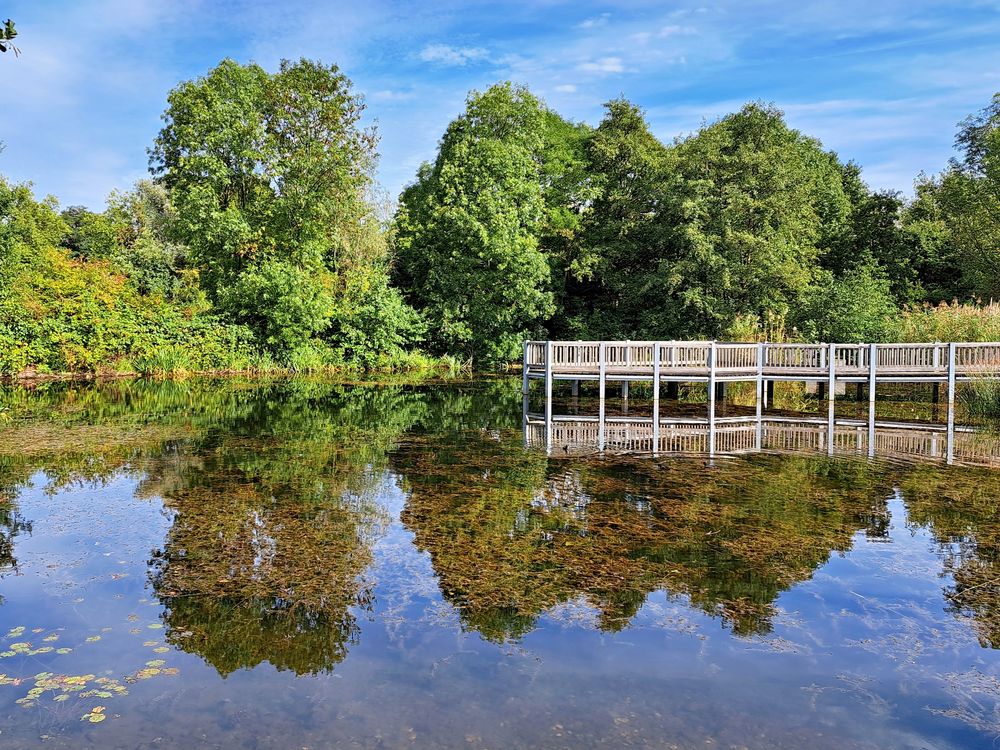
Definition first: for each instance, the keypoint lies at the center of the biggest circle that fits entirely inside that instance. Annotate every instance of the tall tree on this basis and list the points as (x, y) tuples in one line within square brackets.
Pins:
[(467, 229), (761, 203), (269, 174), (957, 214)]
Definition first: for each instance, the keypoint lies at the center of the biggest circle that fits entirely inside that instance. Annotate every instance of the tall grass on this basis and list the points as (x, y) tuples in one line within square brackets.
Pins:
[(954, 322), (981, 398)]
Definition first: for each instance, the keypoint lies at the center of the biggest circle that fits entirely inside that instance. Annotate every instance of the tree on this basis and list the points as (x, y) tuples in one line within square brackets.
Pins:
[(467, 229), (761, 203), (269, 173), (629, 231), (956, 215), (856, 307), (7, 35)]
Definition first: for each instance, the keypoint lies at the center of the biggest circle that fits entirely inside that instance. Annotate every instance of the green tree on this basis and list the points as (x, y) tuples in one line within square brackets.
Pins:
[(761, 204), (467, 229), (7, 35), (956, 215), (630, 231), (856, 307), (269, 173)]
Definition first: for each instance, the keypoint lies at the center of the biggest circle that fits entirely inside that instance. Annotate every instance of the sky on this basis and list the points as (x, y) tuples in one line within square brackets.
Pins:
[(881, 82)]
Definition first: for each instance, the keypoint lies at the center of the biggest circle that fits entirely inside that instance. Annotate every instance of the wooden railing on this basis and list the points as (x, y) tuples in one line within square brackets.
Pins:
[(637, 357)]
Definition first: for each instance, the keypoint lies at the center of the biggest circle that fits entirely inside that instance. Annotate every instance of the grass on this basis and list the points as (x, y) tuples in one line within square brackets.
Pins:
[(981, 398), (950, 322)]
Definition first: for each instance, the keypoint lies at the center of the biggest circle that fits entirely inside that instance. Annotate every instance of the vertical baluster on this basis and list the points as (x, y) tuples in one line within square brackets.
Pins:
[(951, 402)]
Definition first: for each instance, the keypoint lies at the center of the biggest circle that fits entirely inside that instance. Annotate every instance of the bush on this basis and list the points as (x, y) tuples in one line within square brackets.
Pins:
[(856, 307)]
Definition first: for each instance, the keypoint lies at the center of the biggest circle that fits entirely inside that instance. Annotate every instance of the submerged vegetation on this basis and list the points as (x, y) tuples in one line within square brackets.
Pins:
[(260, 243)]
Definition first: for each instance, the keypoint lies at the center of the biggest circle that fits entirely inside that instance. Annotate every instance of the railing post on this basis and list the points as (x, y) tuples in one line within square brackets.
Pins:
[(831, 397), (656, 398), (951, 402), (601, 369), (525, 383), (711, 398), (872, 365), (759, 400), (548, 395)]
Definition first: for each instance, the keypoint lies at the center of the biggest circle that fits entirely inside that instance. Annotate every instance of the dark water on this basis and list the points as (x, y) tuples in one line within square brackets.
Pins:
[(311, 565)]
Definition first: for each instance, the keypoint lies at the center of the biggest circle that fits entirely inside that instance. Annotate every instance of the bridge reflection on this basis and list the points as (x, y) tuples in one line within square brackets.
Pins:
[(575, 434)]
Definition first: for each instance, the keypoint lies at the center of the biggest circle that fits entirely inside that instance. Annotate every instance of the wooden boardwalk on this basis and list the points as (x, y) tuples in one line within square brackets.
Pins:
[(717, 363)]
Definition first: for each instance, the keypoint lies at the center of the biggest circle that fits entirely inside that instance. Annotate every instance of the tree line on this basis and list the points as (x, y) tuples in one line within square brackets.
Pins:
[(260, 241)]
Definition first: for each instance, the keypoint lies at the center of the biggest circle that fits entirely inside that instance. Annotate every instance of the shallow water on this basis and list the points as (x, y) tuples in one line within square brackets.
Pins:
[(299, 564)]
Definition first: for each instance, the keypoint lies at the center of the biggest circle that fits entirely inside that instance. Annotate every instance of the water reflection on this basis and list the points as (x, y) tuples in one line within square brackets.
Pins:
[(309, 528), (512, 536)]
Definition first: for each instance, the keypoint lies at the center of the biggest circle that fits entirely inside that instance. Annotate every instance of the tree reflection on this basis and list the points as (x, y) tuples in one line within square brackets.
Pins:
[(512, 534), (962, 510)]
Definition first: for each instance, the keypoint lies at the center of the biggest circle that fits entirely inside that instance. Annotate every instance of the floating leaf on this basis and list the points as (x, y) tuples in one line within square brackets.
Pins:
[(15, 632), (63, 650), (155, 663), (50, 638), (154, 626), (161, 650), (150, 643), (93, 639)]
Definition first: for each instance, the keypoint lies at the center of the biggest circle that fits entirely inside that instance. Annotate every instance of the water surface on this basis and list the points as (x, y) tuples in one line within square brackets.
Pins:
[(303, 564)]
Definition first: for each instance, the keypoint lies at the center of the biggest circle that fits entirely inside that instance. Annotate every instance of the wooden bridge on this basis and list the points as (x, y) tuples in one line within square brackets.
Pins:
[(717, 363)]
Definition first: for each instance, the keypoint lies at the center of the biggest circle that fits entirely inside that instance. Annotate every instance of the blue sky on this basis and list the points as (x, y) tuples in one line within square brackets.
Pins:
[(879, 81)]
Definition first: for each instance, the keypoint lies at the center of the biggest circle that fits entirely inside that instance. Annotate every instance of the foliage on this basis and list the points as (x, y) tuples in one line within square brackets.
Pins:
[(269, 174), (468, 254), (857, 307), (7, 35), (950, 322)]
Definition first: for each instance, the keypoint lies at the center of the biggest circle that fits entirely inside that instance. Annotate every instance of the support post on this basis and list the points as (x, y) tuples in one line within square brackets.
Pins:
[(831, 395), (576, 389), (951, 402), (769, 393), (673, 391), (525, 382), (759, 396), (711, 399), (548, 395), (656, 398), (601, 372), (872, 366), (625, 397)]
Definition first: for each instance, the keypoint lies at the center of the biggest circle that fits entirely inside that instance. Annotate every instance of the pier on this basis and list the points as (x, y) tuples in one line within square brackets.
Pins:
[(831, 366)]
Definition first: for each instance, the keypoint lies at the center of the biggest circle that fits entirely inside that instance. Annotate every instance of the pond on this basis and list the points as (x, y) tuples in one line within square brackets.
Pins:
[(306, 564)]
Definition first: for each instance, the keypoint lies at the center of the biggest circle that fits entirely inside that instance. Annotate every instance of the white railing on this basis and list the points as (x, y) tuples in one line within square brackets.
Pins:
[(636, 357)]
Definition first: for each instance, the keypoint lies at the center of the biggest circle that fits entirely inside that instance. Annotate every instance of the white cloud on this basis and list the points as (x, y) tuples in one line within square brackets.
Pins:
[(593, 23), (674, 30), (566, 88), (445, 54), (603, 65)]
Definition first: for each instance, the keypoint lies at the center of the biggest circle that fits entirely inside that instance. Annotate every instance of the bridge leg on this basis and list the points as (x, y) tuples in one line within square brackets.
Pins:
[(548, 395), (673, 391), (872, 363), (624, 397), (859, 389), (831, 398), (601, 383), (576, 389), (951, 403), (711, 399), (769, 394), (759, 397), (656, 398), (720, 392), (525, 384), (821, 391)]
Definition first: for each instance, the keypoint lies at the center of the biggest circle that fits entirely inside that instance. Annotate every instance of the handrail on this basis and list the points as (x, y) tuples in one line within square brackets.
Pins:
[(930, 358)]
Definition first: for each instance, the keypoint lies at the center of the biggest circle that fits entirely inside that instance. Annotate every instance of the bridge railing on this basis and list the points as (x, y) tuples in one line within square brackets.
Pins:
[(637, 356)]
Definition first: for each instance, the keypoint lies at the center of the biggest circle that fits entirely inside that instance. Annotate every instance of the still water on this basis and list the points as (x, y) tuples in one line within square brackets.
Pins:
[(302, 564)]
